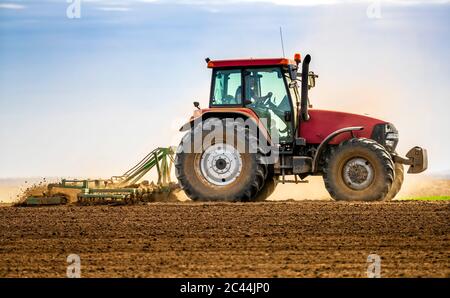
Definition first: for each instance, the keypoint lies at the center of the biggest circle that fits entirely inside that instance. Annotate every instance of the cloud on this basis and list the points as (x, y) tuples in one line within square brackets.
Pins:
[(11, 6), (299, 2), (114, 8), (124, 2), (274, 2)]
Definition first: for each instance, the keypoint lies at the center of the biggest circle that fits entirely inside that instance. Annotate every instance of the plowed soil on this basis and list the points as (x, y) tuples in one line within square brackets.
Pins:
[(271, 239)]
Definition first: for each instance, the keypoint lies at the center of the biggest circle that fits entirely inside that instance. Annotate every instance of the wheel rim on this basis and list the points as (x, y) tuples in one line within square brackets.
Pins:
[(221, 164), (358, 173)]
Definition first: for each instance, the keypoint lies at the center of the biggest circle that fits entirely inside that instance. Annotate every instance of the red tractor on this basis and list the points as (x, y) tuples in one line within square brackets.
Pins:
[(354, 154)]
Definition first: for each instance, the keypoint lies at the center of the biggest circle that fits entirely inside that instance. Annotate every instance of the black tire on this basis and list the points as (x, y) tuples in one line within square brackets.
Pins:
[(398, 181), (268, 188), (197, 187), (359, 170)]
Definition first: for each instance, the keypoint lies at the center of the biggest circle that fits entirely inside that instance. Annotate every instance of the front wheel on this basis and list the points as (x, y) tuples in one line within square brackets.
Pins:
[(359, 170), (398, 181)]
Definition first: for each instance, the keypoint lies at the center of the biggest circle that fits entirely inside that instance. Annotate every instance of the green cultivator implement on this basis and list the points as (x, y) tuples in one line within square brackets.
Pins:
[(127, 188)]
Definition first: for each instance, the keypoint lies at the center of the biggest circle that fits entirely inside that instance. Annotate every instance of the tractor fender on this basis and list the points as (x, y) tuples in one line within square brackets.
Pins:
[(222, 113), (325, 141)]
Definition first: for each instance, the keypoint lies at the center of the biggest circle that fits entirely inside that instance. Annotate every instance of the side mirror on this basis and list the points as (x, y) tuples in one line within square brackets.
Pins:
[(312, 79), (197, 104)]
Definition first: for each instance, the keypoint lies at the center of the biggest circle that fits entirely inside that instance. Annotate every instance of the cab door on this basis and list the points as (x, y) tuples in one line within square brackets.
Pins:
[(266, 94)]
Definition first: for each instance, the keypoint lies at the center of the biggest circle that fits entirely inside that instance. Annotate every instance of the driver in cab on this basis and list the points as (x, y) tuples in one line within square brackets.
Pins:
[(253, 94)]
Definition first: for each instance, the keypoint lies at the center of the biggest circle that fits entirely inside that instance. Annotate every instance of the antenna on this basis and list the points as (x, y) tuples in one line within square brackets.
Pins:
[(282, 43)]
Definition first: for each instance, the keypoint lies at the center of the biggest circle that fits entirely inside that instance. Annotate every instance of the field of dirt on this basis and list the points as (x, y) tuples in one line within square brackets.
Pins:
[(271, 239)]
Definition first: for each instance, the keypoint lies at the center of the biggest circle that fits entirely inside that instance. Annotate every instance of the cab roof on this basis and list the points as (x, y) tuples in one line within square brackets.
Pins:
[(250, 62)]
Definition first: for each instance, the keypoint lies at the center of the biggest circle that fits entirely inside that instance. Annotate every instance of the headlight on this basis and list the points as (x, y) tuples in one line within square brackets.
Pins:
[(391, 136)]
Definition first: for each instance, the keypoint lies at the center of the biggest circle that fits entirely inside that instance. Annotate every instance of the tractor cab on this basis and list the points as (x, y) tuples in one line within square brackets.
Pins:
[(266, 86)]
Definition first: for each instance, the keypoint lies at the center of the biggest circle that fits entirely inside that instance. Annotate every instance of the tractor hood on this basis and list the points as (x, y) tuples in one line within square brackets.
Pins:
[(322, 123)]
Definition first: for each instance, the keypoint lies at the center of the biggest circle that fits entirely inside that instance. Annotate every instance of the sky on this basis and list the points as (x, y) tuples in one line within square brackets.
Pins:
[(90, 96)]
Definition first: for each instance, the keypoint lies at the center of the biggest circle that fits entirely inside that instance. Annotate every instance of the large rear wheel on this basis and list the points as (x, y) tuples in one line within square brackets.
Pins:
[(359, 170), (219, 171)]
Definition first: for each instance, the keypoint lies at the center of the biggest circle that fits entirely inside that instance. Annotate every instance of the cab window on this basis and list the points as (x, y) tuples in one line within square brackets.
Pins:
[(227, 87)]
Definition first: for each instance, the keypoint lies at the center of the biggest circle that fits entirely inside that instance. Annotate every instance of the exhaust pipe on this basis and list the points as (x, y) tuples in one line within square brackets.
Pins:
[(304, 92)]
